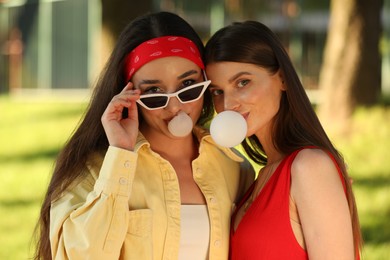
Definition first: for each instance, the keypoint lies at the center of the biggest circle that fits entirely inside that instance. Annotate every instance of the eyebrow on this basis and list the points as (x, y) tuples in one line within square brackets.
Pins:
[(186, 74), (155, 81), (149, 81), (235, 76)]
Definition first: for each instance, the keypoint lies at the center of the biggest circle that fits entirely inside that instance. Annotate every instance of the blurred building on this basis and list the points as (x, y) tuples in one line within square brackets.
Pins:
[(49, 45)]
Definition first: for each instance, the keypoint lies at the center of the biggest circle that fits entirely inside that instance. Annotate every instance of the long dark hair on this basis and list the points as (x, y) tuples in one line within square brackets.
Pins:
[(90, 137), (296, 124)]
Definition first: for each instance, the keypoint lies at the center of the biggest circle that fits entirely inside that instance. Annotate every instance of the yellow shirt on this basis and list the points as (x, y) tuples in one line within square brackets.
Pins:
[(128, 205)]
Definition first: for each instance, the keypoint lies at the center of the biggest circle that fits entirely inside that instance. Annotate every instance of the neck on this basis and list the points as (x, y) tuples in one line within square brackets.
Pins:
[(273, 155)]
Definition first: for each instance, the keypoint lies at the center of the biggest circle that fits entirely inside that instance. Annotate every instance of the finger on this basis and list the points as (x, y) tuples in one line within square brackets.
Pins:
[(135, 93), (128, 86), (125, 99), (133, 111), (115, 108), (128, 95)]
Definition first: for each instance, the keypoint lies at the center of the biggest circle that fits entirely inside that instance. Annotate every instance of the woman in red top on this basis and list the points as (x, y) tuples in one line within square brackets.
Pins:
[(301, 205)]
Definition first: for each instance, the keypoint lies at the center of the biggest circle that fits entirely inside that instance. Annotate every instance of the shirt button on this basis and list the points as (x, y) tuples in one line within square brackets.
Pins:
[(123, 181), (217, 243), (126, 164)]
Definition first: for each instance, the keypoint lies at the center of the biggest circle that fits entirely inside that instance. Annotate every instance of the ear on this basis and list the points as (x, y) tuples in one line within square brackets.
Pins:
[(283, 85)]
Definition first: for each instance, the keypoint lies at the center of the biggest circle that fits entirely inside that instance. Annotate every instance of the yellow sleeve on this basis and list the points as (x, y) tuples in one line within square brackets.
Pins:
[(90, 220)]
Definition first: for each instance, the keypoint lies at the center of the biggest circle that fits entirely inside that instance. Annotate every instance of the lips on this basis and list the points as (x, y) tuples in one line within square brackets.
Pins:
[(245, 115), (168, 119)]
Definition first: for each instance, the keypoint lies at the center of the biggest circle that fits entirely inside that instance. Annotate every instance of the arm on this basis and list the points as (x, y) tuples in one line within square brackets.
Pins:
[(318, 193), (90, 221)]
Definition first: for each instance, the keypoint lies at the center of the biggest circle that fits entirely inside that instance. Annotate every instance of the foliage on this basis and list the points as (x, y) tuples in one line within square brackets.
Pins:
[(31, 134)]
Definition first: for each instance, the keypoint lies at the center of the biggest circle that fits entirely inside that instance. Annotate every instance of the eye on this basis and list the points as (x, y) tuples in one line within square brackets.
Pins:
[(152, 90), (243, 83), (188, 83), (216, 92)]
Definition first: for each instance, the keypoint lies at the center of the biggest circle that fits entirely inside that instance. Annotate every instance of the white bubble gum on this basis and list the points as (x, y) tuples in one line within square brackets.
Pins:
[(228, 128), (181, 125)]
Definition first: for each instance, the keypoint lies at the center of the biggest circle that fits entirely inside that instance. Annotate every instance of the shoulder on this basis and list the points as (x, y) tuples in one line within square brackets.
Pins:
[(311, 159), (319, 197), (314, 170)]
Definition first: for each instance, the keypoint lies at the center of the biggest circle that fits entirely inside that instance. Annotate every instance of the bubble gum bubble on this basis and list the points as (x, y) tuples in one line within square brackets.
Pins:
[(228, 128), (181, 125)]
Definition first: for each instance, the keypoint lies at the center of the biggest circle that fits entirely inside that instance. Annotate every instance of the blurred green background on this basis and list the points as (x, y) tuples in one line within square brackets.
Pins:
[(52, 51)]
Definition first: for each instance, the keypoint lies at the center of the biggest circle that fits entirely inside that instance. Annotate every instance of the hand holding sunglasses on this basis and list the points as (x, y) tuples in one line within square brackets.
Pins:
[(185, 95)]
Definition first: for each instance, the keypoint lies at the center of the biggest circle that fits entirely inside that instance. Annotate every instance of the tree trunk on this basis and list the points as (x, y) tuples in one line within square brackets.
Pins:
[(351, 70)]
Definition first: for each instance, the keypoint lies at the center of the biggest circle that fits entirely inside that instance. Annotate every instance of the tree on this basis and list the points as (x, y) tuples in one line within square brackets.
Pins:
[(351, 70)]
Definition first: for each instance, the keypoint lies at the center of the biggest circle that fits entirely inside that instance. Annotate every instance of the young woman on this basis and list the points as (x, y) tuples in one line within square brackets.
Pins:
[(126, 186), (301, 205)]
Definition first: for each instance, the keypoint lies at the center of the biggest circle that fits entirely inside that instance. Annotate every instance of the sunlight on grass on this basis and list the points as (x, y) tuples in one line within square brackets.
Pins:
[(31, 134), (23, 186), (366, 151)]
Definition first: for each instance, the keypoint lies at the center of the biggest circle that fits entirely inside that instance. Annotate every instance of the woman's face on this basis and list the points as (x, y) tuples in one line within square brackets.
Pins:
[(248, 89), (163, 76)]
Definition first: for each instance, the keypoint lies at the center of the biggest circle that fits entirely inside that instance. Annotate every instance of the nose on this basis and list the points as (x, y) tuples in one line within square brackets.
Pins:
[(230, 102), (174, 105)]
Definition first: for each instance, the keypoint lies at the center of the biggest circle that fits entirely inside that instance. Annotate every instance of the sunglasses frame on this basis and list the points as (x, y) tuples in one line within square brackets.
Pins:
[(205, 84)]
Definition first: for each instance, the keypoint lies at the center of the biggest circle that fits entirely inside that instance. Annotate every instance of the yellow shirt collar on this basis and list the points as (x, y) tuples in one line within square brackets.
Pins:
[(203, 136)]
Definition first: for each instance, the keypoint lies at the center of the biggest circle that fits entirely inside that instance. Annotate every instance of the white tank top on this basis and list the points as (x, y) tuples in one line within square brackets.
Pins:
[(195, 232)]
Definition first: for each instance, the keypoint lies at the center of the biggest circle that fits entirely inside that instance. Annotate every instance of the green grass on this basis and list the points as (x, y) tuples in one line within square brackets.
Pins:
[(31, 134), (366, 151)]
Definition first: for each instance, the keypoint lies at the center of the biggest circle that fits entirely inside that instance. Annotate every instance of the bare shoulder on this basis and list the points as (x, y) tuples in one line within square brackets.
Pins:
[(311, 159), (314, 169)]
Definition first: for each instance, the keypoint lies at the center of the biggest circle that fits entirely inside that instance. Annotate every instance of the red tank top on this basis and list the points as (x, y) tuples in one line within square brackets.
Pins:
[(265, 231)]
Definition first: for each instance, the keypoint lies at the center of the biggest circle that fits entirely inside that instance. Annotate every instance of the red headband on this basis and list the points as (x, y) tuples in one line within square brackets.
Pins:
[(161, 47)]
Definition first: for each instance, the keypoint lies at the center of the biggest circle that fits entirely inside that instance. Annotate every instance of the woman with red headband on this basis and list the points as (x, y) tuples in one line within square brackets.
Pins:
[(137, 180)]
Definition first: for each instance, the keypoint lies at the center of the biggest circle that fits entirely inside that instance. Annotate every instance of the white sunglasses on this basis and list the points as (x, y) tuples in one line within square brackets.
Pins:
[(185, 95)]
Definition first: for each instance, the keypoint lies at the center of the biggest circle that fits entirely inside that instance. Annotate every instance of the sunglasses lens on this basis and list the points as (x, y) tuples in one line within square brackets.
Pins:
[(154, 102), (191, 94)]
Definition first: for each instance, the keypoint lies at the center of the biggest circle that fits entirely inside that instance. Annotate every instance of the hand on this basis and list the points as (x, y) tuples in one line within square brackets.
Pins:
[(122, 132)]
